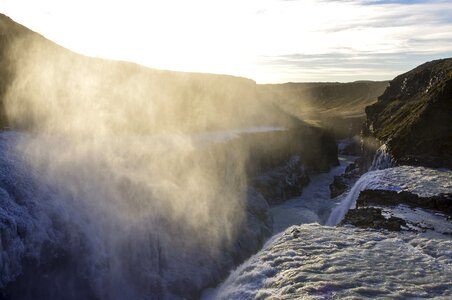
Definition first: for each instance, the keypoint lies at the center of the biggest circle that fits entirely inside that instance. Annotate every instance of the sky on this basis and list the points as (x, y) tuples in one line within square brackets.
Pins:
[(270, 41)]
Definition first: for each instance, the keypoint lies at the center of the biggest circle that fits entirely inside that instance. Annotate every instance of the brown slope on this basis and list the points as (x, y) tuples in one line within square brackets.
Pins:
[(337, 106)]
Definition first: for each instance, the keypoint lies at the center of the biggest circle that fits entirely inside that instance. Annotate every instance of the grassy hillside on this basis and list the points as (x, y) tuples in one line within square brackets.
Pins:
[(413, 116), (338, 106)]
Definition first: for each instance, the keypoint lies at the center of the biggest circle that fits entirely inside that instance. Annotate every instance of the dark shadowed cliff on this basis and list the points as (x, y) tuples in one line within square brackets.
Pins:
[(414, 115)]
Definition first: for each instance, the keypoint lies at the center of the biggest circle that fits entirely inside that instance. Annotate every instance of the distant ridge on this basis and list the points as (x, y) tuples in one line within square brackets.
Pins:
[(336, 106)]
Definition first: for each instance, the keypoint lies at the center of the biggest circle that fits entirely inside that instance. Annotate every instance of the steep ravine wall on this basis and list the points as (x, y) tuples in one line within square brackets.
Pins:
[(413, 116)]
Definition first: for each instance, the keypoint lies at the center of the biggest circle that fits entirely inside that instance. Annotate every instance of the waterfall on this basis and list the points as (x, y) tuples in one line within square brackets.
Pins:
[(382, 159), (87, 230), (423, 181), (367, 181)]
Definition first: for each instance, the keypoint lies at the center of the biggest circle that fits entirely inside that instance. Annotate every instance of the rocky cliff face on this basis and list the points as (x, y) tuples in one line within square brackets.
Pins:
[(390, 210), (413, 116)]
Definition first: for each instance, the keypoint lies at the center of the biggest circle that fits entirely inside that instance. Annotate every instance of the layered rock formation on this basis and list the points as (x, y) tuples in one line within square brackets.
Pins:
[(441, 203)]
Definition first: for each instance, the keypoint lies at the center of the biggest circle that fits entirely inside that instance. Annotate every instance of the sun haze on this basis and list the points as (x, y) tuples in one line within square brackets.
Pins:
[(267, 40)]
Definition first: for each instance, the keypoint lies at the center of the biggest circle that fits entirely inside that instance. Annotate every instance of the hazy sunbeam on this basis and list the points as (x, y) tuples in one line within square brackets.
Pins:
[(232, 37)]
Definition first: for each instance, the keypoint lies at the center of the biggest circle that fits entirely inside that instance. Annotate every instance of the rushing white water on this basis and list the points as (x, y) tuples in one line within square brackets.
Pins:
[(370, 180), (313, 205), (321, 262), (382, 159), (419, 180)]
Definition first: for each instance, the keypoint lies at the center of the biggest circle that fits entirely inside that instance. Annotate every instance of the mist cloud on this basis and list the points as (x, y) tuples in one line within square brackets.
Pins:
[(153, 210)]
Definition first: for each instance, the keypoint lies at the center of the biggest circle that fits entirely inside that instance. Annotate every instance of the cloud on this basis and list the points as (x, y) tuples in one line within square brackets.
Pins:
[(376, 2), (344, 67), (356, 39), (380, 2)]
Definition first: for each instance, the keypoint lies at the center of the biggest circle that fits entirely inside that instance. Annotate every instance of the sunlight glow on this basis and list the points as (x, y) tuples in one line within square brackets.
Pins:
[(233, 37)]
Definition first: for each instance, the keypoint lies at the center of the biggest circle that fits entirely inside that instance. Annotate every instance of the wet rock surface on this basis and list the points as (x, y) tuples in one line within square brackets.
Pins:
[(441, 202), (395, 211), (338, 187), (371, 217)]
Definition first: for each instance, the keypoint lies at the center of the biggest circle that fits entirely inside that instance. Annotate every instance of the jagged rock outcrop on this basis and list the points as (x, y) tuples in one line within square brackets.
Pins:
[(413, 116), (338, 186)]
